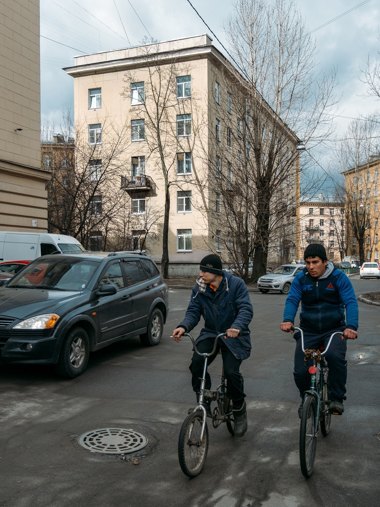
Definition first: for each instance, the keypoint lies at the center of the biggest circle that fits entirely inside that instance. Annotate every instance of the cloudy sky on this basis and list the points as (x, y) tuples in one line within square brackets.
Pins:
[(347, 32)]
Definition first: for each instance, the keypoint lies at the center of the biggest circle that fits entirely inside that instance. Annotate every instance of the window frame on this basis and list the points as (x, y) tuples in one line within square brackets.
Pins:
[(94, 96), (94, 133), (137, 126), (137, 98), (186, 163), (184, 204), (183, 123), (139, 201), (185, 236), (184, 86)]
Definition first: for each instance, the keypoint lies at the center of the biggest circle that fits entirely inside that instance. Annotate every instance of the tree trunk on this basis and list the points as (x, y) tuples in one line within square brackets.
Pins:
[(165, 236)]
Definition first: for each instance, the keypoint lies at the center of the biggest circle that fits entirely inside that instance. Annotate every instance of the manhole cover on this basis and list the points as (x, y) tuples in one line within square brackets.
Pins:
[(113, 441)]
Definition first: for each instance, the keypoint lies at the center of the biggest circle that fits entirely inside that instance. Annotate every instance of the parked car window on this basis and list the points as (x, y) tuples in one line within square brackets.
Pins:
[(113, 274), (135, 272), (150, 268), (48, 248)]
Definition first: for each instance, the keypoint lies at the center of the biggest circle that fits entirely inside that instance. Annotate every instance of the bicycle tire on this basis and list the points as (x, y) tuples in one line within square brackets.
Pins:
[(308, 435), (325, 419), (229, 417), (192, 452)]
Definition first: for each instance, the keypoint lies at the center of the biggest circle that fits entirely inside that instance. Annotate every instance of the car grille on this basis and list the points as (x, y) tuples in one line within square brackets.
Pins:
[(5, 322)]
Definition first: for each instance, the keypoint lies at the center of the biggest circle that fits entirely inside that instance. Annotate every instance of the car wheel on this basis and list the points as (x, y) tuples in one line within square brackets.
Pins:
[(154, 329), (286, 288), (75, 353), (264, 291)]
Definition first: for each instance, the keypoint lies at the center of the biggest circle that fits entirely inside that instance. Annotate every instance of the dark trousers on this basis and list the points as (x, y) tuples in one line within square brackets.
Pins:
[(336, 359), (231, 365)]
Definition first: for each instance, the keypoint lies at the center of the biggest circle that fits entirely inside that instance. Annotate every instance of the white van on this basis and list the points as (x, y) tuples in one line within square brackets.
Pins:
[(30, 245)]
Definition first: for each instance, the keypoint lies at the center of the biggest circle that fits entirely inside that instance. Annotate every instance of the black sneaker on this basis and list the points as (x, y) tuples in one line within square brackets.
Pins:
[(240, 420), (336, 407)]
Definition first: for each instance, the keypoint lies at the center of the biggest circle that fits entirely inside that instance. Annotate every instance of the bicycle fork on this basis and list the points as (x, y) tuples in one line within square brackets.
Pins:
[(201, 399)]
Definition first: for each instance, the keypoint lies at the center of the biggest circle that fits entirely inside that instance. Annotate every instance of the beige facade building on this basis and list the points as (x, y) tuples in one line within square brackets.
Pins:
[(23, 199), (323, 221), (176, 109), (362, 186)]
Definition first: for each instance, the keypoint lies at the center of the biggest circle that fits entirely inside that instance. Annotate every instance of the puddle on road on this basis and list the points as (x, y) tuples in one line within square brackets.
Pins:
[(365, 355)]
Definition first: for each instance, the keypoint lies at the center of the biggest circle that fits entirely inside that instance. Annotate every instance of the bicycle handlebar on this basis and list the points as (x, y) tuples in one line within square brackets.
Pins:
[(205, 354), (328, 343)]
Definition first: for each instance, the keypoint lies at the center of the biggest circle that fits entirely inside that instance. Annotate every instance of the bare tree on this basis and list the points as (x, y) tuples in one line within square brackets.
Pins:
[(170, 127), (362, 213), (276, 57), (84, 194)]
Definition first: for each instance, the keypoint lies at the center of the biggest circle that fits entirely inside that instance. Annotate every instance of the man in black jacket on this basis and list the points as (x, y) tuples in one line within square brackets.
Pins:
[(223, 301)]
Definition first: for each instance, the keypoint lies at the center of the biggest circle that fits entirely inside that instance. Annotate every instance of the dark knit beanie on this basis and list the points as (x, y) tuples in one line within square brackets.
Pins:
[(315, 250), (212, 264)]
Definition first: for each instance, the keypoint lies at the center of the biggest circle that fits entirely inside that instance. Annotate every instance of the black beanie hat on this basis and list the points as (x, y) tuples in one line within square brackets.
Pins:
[(212, 264), (315, 250)]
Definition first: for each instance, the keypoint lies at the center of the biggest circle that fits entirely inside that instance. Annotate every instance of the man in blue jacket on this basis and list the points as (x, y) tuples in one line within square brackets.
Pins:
[(328, 304), (222, 300)]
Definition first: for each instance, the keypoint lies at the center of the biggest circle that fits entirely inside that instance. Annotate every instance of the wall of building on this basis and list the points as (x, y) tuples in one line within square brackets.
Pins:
[(23, 200)]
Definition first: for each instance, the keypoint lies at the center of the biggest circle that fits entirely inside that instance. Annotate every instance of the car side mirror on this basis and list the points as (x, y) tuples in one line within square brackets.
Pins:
[(106, 289)]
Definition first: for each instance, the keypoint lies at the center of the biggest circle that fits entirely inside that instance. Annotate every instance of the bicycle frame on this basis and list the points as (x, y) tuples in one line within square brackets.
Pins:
[(202, 391)]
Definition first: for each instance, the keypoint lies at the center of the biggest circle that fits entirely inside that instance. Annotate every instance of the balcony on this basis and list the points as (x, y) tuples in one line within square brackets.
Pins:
[(313, 229), (136, 184)]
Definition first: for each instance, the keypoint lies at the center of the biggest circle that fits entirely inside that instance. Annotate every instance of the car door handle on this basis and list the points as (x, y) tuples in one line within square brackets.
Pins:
[(126, 296)]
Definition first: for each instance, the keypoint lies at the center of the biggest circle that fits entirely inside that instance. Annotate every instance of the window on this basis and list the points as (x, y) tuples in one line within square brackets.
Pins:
[(240, 127), (322, 211), (331, 233), (217, 130), (46, 160), (230, 176), (95, 169), (138, 166), (114, 275), (184, 164), (96, 205), (218, 203), (138, 239), (138, 206), (184, 240), (331, 211), (311, 222), (218, 240), (94, 98), (137, 93), (183, 201), (321, 222), (218, 167), (229, 103), (135, 272), (183, 87), (229, 137), (95, 133), (137, 130), (321, 233), (217, 92), (96, 241), (311, 211), (183, 124)]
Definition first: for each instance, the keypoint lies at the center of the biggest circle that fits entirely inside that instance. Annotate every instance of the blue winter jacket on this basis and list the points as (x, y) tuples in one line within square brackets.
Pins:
[(327, 302), (228, 307)]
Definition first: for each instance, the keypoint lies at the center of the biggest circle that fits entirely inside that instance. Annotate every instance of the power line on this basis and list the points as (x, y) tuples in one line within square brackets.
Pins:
[(340, 16), (141, 21), (100, 21), (62, 44), (121, 21)]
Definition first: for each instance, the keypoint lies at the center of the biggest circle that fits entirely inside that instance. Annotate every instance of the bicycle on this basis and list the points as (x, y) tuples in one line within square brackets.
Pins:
[(315, 412), (193, 438)]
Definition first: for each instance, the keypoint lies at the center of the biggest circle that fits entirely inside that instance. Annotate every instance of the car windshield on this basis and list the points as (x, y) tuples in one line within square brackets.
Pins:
[(10, 268), (71, 248), (56, 274), (284, 270), (370, 265)]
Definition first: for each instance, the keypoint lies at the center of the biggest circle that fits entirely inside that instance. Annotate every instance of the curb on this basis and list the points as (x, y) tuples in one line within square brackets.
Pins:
[(368, 301)]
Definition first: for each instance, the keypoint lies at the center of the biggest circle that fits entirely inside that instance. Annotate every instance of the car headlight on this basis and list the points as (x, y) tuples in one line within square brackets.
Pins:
[(47, 321)]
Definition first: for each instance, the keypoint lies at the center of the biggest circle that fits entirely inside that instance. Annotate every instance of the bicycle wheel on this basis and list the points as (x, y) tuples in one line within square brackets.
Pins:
[(192, 451), (325, 412), (308, 435), (228, 415)]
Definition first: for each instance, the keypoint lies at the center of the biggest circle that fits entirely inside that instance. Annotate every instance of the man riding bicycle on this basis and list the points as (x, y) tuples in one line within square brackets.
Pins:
[(222, 299), (328, 304)]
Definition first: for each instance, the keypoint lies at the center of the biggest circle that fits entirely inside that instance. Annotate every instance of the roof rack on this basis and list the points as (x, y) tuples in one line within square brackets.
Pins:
[(136, 252)]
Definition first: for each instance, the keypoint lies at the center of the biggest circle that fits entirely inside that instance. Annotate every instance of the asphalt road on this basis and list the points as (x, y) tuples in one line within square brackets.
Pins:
[(147, 390)]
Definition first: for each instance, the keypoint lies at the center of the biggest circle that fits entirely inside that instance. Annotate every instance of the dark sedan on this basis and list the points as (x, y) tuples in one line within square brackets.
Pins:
[(60, 308)]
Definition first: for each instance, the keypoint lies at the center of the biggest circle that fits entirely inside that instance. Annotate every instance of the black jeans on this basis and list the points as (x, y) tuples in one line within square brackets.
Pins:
[(235, 382), (336, 359)]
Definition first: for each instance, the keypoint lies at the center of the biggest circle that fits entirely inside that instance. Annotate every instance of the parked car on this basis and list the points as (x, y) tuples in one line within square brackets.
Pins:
[(59, 308), (343, 265), (9, 268), (279, 279), (370, 270)]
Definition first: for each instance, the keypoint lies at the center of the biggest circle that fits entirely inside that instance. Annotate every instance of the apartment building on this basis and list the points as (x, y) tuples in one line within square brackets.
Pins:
[(323, 221), (362, 184), (176, 113), (23, 198)]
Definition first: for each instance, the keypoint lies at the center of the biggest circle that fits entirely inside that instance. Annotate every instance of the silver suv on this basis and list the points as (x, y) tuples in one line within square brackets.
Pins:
[(279, 279)]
